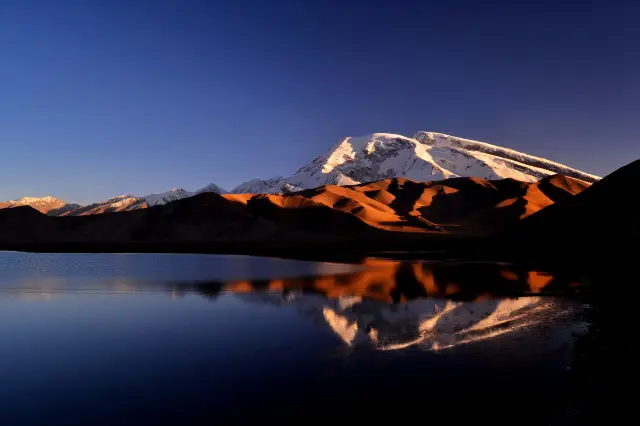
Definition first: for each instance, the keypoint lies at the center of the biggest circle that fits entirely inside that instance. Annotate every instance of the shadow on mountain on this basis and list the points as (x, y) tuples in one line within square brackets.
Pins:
[(388, 214), (481, 206), (597, 231), (599, 226)]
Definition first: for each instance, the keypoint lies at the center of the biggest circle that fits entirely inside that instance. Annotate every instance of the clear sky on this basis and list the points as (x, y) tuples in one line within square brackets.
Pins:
[(100, 98)]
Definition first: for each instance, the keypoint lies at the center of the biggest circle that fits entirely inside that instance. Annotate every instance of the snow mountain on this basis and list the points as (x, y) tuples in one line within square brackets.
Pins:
[(166, 197), (128, 202), (42, 204), (427, 156)]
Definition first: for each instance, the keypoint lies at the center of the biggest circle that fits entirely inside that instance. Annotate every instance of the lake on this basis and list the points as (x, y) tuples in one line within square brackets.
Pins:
[(158, 339)]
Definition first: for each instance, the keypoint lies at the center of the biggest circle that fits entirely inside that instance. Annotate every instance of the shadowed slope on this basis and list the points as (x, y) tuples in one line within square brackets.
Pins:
[(26, 224), (603, 220), (365, 212)]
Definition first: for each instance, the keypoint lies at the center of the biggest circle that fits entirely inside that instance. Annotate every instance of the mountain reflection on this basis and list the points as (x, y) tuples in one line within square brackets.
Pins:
[(427, 324), (383, 304), (391, 305), (395, 282)]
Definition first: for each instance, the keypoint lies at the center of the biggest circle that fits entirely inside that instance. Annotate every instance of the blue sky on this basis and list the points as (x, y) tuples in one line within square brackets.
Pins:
[(107, 97)]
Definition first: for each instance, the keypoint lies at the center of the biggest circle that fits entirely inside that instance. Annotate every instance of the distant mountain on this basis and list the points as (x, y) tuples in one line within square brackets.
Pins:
[(115, 204), (425, 157), (54, 207), (212, 187), (129, 202), (43, 204), (258, 186)]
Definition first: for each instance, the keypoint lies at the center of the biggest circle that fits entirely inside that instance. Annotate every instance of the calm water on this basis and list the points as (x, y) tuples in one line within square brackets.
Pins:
[(139, 339)]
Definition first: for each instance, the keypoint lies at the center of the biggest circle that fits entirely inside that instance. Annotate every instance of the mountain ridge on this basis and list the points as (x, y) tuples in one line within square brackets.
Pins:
[(426, 157), (604, 221), (42, 204), (394, 208)]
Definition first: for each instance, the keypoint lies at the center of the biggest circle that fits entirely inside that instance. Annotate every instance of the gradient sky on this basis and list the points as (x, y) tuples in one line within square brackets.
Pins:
[(100, 98)]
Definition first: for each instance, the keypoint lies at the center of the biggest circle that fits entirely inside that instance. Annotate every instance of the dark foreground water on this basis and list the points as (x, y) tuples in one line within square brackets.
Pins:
[(206, 340)]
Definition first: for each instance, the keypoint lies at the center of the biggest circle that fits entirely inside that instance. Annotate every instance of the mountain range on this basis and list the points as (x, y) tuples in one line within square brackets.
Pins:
[(391, 208), (559, 219), (43, 204), (355, 160)]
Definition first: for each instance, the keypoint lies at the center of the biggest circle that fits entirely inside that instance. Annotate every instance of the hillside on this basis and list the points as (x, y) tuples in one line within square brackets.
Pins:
[(602, 221), (376, 210)]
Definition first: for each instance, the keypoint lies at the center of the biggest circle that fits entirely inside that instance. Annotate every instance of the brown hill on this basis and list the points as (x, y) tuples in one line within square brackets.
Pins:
[(203, 218), (461, 205), (374, 210)]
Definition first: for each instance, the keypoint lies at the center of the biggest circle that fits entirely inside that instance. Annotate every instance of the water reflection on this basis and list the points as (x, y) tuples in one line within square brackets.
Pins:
[(428, 324), (147, 343), (384, 304), (394, 305), (387, 281), (396, 281)]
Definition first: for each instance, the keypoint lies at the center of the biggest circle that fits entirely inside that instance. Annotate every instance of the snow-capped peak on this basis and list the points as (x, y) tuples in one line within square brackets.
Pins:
[(442, 140), (259, 186), (29, 200), (428, 156), (178, 194), (42, 204), (166, 197), (127, 202)]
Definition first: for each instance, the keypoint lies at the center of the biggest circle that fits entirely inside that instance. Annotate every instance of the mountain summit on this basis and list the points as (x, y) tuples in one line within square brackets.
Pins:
[(425, 157)]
